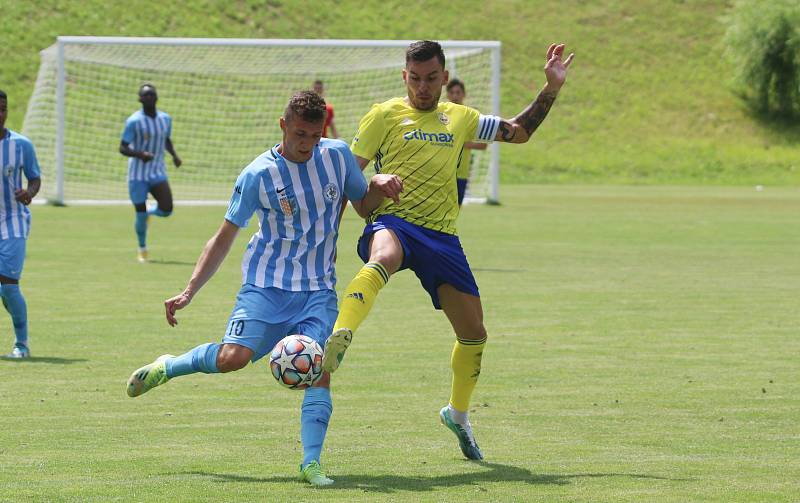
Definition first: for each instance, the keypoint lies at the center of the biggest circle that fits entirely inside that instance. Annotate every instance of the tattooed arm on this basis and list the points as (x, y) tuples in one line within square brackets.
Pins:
[(521, 128)]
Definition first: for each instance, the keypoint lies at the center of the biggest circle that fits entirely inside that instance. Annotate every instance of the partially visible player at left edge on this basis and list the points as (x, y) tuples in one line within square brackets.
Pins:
[(17, 157)]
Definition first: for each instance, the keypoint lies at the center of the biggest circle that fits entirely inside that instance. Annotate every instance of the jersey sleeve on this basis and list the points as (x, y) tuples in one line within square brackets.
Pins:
[(30, 163), (370, 134), (355, 187), (129, 133), (244, 200), (169, 127)]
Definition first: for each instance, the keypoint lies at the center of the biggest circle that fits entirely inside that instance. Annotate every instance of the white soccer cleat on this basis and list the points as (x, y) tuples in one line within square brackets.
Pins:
[(19, 352), (142, 256)]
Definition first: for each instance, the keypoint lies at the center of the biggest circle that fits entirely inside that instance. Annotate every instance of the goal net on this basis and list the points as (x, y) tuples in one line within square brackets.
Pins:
[(225, 97)]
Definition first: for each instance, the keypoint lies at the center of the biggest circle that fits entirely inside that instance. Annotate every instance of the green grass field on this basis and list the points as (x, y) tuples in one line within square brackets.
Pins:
[(642, 348)]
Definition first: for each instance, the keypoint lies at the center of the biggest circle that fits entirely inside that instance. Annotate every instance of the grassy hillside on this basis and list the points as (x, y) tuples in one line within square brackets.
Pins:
[(647, 100)]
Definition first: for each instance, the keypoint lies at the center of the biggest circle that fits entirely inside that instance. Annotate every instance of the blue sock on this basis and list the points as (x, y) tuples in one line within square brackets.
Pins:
[(15, 304), (203, 359), (315, 414), (141, 227), (159, 212)]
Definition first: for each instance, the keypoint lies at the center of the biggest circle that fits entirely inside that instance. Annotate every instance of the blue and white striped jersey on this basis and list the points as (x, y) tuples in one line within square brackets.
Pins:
[(298, 207), (149, 134), (17, 156)]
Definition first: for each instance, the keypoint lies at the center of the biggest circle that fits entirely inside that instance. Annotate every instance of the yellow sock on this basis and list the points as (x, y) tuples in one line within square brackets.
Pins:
[(466, 364), (360, 296)]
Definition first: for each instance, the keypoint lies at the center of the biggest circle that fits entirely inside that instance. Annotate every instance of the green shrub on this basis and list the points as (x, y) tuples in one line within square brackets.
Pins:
[(763, 44)]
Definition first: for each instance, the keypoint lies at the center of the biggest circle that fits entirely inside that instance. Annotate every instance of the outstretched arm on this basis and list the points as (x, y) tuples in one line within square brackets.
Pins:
[(521, 128), (210, 259)]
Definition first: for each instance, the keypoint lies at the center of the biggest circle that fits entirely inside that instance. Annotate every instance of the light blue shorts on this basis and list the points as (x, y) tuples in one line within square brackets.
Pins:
[(138, 189), (264, 316), (12, 257)]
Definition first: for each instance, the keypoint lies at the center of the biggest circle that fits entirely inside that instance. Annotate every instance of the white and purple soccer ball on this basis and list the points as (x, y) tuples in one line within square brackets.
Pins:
[(296, 361)]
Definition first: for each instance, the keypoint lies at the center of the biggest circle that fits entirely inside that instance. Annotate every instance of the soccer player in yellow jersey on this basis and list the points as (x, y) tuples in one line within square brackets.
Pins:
[(420, 140)]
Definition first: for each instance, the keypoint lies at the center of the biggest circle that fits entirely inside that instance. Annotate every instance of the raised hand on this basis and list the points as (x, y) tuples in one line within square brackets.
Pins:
[(555, 69)]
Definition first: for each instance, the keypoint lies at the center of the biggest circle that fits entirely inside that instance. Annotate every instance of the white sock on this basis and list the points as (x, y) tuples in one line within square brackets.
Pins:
[(459, 417)]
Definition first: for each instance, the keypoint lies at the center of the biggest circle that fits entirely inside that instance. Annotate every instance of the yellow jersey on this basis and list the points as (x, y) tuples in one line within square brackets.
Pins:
[(423, 148)]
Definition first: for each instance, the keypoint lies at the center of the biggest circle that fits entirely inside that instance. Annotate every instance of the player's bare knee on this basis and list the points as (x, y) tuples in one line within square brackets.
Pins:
[(232, 357)]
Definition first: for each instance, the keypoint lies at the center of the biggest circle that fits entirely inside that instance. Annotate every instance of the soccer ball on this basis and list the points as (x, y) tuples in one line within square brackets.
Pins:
[(296, 361)]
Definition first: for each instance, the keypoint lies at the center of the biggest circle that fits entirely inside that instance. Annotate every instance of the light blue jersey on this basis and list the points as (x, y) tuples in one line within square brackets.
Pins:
[(298, 207), (149, 134), (17, 156)]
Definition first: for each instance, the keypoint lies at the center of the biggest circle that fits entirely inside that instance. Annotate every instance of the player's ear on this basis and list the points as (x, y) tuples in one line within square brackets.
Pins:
[(282, 122), (445, 78), (405, 75)]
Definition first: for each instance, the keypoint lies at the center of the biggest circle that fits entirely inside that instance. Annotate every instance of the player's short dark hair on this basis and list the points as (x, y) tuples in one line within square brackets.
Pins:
[(147, 84), (455, 82), (318, 82), (3, 95), (307, 105), (424, 50)]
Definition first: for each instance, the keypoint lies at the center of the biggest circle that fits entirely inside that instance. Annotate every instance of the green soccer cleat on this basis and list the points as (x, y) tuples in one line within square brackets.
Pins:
[(312, 474), (148, 377), (466, 440), (335, 347)]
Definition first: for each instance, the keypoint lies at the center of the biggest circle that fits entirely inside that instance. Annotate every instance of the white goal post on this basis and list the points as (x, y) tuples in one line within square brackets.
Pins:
[(225, 97)]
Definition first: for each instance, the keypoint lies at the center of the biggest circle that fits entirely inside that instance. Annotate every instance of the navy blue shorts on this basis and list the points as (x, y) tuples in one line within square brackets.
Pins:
[(435, 257), (462, 189)]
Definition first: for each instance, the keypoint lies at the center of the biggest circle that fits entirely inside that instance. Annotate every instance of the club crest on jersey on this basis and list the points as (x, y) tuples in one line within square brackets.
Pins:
[(8, 170), (287, 205), (331, 192), (443, 118), (146, 136)]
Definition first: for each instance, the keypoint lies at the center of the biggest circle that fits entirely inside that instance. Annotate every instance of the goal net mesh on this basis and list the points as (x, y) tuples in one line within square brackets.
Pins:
[(224, 100)]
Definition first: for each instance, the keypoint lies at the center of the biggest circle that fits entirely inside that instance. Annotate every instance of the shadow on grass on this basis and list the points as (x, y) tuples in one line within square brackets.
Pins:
[(169, 262), (45, 359), (390, 483)]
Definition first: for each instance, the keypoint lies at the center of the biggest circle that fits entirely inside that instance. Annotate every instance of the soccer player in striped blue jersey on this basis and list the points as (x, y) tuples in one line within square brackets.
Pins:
[(145, 138), (298, 189), (420, 140), (17, 158)]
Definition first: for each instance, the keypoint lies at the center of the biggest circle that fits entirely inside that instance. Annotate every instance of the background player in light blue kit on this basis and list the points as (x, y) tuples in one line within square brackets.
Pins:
[(17, 156), (297, 188), (144, 140)]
